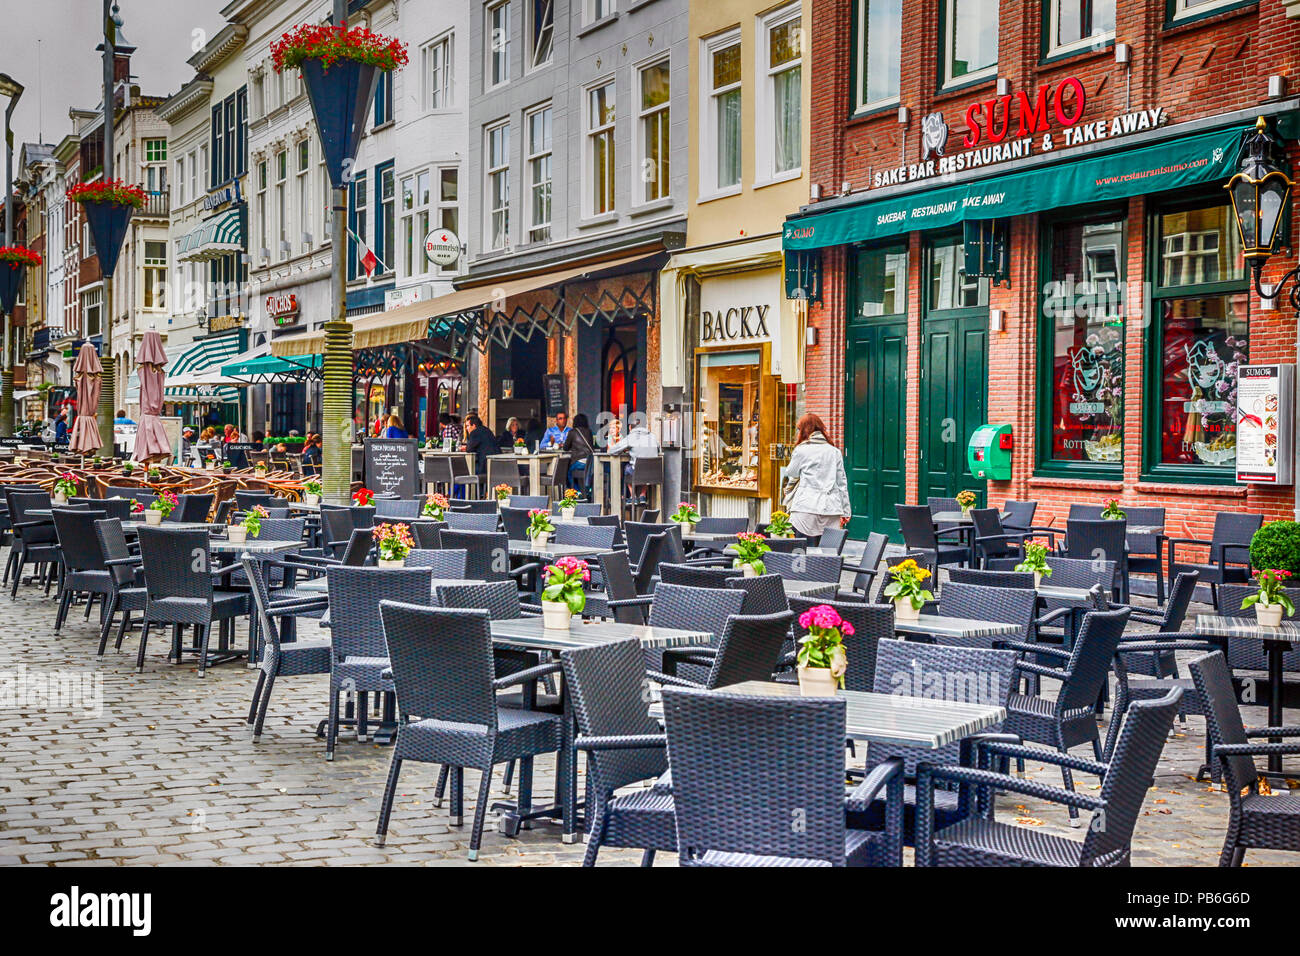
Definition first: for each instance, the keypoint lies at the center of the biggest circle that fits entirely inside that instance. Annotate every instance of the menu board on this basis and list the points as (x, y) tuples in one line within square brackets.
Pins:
[(391, 467), (557, 395), (1266, 424)]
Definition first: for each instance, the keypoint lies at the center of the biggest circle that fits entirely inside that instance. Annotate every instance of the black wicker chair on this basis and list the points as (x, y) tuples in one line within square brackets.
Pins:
[(867, 569), (359, 661), (84, 571), (787, 545), (34, 539), (1018, 515), (695, 576), (1255, 820), (979, 840), (982, 603), (336, 530), (805, 567), (637, 533), (1146, 552), (749, 649), (471, 521), (192, 508), (515, 521), (1229, 551), (478, 506), (427, 534), (125, 576), (689, 608), (488, 551), (872, 623), (833, 539), (446, 690), (585, 536), (992, 579), (397, 508), (119, 508), (764, 593), (621, 599), (443, 562), (1087, 540), (919, 536), (730, 815)]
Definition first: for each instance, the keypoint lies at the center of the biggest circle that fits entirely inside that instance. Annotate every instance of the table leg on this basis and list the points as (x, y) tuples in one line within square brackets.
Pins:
[(616, 486), (567, 773), (598, 481), (534, 476)]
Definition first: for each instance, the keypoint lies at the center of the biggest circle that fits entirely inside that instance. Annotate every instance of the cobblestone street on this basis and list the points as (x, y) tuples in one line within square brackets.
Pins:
[(167, 773)]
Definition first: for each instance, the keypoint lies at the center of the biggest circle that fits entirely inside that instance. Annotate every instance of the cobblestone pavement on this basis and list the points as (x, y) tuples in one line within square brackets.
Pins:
[(165, 772)]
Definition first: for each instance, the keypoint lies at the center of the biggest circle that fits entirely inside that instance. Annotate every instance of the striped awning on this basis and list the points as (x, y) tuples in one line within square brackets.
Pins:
[(209, 352), (219, 236)]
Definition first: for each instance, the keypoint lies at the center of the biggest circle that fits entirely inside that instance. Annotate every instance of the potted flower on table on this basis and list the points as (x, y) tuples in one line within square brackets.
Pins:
[(563, 596), (161, 507), (1112, 511), (65, 487), (153, 473), (966, 500), (686, 517), (521, 447), (779, 526), (260, 469), (395, 543), (1035, 561), (822, 661), (908, 589), (567, 504), (251, 525), (1271, 600), (311, 491), (363, 498), (435, 507), (540, 528), (750, 548), (502, 494)]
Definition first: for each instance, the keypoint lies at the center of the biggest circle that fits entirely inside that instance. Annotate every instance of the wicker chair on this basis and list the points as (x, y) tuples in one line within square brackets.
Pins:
[(398, 507), (427, 534), (180, 591), (505, 471), (621, 598), (1085, 540), (1146, 552), (919, 535), (764, 593), (359, 661), (477, 506), (805, 567), (443, 562), (529, 502), (696, 577), (468, 521), (637, 533), (192, 508), (127, 592), (624, 746), (787, 545), (1229, 551), (729, 815), (486, 549), (586, 536), (991, 579), (833, 539), (982, 603), (1255, 820), (83, 571), (446, 687), (514, 521), (749, 649), (867, 568), (689, 608), (872, 623), (119, 508), (1019, 515), (34, 539), (980, 840)]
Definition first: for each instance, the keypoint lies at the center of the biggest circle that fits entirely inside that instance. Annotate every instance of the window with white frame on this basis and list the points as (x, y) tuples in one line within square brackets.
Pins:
[(599, 9), (263, 233), (259, 95), (498, 43), (970, 40), (779, 143), (360, 232), (92, 312), (537, 163), (327, 202), (193, 163), (1183, 9), (437, 67), (498, 186), (600, 148), (155, 275), (385, 221), (178, 182), (155, 170), (721, 156), (1079, 24), (878, 49), (282, 202), (540, 26), (416, 195), (448, 202), (203, 165), (302, 171), (653, 122)]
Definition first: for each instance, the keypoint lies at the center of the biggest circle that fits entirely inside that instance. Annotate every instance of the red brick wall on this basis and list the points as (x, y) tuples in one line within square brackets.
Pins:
[(1194, 70)]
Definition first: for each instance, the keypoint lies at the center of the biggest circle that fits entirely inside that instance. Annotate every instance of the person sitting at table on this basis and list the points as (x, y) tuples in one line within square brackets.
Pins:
[(394, 429), (533, 433), (639, 442), (480, 441), (447, 428), (557, 433), (580, 445), (311, 455), (512, 431)]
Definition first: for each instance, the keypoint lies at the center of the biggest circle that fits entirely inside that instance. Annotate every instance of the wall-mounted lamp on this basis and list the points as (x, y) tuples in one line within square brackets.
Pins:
[(1004, 86), (1123, 52), (815, 191), (904, 116), (997, 320), (811, 335), (1276, 87)]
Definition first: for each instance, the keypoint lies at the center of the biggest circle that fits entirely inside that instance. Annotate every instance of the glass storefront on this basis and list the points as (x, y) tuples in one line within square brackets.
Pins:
[(730, 400)]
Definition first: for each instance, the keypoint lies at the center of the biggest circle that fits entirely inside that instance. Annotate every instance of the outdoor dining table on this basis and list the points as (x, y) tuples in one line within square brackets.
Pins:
[(1277, 641), (253, 546), (526, 549), (530, 634), (615, 463), (958, 628), (534, 462)]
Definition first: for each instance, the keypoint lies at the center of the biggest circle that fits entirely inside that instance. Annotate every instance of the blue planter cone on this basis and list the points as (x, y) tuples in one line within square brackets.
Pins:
[(108, 222), (11, 280), (340, 101)]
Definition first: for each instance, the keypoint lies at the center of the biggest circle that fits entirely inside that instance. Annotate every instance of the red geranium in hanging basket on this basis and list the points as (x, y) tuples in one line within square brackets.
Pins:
[(330, 44), (108, 191), (19, 256)]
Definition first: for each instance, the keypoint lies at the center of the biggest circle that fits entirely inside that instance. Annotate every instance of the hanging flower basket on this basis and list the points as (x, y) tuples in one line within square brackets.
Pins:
[(14, 261), (340, 69), (108, 207)]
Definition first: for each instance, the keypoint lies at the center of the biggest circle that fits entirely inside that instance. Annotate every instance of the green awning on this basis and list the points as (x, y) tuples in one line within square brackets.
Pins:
[(266, 368), (1175, 164)]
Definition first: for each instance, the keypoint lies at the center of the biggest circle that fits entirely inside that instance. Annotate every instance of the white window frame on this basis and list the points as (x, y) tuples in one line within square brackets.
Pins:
[(156, 269), (257, 104), (593, 11), (539, 231), (640, 184), (860, 63), (281, 172), (765, 171), (491, 49), (445, 47), (438, 207), (530, 52), (1184, 11), (302, 187), (708, 156), (489, 171), (1056, 48), (88, 300), (178, 182), (946, 31), (589, 134)]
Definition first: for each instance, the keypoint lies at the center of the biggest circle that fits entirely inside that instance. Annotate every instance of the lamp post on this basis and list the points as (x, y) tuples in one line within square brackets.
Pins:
[(12, 89)]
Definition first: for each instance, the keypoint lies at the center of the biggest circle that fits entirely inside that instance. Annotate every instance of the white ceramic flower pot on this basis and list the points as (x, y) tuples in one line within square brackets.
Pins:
[(311, 499), (541, 538), (966, 510), (904, 611), (688, 528), (520, 451), (747, 570), (503, 502), (392, 562), (1268, 615), (1038, 579), (153, 517), (565, 515), (60, 498), (556, 616), (237, 533), (816, 682)]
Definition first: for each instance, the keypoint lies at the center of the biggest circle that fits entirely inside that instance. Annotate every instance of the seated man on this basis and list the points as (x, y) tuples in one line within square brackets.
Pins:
[(639, 442), (479, 440), (557, 433)]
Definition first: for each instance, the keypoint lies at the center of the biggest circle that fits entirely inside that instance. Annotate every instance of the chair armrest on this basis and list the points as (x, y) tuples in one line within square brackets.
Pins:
[(879, 777), (1223, 554), (1018, 536), (1031, 648), (295, 607), (1255, 750), (1273, 731), (627, 742), (35, 523), (1173, 544), (1135, 647), (530, 610), (1045, 756), (228, 569), (852, 597), (526, 676), (671, 679), (1041, 671), (134, 560), (525, 569), (1037, 529), (1144, 615), (1053, 615), (987, 778), (642, 601)]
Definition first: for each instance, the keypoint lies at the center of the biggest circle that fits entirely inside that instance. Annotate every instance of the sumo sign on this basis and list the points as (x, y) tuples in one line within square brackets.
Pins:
[(442, 247)]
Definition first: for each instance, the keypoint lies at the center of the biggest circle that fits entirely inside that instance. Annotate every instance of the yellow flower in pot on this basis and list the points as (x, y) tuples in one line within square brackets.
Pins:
[(908, 590)]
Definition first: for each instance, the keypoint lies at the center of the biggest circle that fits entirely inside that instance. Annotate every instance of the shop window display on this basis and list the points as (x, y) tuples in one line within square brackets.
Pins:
[(730, 397)]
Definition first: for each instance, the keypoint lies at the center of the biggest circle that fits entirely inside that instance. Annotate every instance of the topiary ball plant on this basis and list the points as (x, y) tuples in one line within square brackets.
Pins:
[(1276, 545)]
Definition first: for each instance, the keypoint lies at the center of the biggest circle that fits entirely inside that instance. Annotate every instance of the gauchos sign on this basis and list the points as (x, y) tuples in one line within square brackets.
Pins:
[(1015, 126), (283, 309)]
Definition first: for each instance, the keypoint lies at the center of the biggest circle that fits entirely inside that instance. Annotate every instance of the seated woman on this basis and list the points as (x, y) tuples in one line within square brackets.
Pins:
[(311, 455), (580, 445), (394, 429)]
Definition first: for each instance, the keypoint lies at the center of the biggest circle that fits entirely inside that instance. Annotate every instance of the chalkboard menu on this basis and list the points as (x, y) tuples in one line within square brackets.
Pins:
[(557, 395), (391, 467), (237, 452)]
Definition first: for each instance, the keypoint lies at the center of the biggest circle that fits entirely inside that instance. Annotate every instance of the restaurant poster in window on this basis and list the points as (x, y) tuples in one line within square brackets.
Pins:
[(1265, 424)]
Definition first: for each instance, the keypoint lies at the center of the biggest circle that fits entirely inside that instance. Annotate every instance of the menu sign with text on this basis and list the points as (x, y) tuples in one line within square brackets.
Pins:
[(1266, 424), (391, 467)]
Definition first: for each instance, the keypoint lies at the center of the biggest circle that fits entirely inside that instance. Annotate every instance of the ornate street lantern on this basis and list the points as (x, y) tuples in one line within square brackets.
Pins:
[(1259, 196)]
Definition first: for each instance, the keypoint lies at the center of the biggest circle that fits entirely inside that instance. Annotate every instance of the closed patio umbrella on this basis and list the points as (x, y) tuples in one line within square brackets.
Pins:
[(87, 372), (150, 436)]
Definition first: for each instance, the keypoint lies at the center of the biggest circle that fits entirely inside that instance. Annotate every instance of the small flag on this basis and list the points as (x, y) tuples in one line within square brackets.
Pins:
[(368, 262)]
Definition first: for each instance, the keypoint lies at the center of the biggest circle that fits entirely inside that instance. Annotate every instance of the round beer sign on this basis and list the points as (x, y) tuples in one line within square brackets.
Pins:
[(442, 247)]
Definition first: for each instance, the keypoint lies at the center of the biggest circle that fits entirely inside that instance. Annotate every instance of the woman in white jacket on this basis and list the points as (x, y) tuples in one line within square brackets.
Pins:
[(816, 492)]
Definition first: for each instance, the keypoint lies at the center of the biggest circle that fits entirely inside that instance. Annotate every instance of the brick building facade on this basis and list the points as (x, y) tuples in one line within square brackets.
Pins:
[(1169, 295)]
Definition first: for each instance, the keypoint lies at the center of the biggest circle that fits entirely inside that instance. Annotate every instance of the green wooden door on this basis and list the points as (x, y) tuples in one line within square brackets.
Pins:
[(876, 425), (954, 373)]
